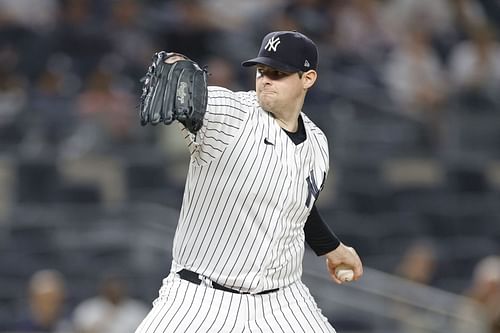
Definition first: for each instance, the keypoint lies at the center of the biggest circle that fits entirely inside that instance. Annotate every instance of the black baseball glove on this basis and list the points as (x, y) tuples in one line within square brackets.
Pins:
[(176, 91)]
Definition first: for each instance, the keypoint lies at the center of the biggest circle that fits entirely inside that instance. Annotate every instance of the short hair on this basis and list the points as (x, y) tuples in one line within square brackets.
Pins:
[(46, 280)]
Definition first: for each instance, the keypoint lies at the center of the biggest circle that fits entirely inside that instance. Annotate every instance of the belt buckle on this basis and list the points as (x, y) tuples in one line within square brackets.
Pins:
[(205, 281)]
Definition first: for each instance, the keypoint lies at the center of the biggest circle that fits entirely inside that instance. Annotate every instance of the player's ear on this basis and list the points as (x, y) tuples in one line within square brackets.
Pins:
[(308, 78)]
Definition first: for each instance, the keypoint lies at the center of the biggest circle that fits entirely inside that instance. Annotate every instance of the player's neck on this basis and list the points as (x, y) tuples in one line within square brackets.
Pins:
[(291, 125), (288, 119)]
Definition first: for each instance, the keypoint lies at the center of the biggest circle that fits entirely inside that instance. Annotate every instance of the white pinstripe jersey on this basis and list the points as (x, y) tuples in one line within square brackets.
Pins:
[(248, 193)]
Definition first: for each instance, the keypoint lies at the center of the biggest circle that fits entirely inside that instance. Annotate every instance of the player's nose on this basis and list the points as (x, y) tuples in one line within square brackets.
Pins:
[(265, 79)]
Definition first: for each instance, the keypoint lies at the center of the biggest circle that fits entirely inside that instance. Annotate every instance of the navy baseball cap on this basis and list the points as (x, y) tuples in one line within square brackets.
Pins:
[(286, 51)]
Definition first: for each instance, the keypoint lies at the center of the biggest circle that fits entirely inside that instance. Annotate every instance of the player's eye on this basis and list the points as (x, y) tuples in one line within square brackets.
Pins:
[(276, 75), (271, 73)]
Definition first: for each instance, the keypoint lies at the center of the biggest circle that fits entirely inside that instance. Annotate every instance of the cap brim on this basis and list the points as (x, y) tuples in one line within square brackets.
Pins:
[(271, 63)]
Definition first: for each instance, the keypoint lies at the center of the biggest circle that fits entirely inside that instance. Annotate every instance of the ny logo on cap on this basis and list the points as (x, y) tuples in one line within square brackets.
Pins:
[(272, 44)]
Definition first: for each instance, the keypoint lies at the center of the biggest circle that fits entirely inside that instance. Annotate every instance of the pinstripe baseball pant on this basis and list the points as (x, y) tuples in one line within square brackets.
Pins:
[(186, 307)]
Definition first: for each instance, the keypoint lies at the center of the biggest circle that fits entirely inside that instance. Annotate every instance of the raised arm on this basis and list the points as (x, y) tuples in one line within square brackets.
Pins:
[(174, 88)]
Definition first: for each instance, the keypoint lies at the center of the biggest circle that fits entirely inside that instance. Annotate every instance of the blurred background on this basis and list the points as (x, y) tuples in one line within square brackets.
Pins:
[(408, 95)]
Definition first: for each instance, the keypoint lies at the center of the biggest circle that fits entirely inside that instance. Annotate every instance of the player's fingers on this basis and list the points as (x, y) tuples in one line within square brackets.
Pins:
[(354, 260), (331, 270), (173, 59), (358, 267), (336, 279), (358, 272)]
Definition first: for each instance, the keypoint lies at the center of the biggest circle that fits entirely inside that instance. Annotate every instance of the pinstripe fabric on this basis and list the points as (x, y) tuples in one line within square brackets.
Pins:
[(244, 205), (189, 308), (247, 197)]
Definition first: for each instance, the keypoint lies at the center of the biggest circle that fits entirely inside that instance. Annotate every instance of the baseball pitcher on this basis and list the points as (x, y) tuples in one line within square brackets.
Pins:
[(257, 166)]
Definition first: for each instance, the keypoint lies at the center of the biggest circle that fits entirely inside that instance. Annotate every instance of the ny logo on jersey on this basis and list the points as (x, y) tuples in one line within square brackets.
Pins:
[(272, 44), (313, 188)]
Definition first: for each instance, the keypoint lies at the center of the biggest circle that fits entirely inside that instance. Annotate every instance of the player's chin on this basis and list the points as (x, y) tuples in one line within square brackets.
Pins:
[(266, 102)]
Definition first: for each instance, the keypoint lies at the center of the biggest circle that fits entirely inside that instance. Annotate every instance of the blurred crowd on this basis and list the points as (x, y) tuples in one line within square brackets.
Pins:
[(70, 75), (419, 264), (70, 69), (47, 309), (112, 310)]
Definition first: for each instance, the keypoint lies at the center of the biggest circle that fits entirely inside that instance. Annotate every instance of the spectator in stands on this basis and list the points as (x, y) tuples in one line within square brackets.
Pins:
[(484, 315), (416, 79), (132, 43), (106, 115), (310, 16), (468, 13), (80, 34), (112, 311), (235, 15), (492, 10), (360, 31), (33, 14), (51, 111), (46, 304), (189, 29), (419, 262), (13, 101), (475, 67), (495, 326), (358, 41), (436, 16)]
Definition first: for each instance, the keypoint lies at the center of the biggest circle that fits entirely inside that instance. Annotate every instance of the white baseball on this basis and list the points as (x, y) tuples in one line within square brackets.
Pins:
[(344, 273)]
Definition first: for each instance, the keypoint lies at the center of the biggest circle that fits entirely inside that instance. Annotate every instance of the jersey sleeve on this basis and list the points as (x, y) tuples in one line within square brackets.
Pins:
[(227, 111)]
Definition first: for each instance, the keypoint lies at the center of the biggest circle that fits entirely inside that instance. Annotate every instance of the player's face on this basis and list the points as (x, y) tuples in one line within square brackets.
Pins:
[(279, 91)]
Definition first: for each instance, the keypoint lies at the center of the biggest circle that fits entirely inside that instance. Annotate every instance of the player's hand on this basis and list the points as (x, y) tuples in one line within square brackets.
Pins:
[(344, 255), (173, 57)]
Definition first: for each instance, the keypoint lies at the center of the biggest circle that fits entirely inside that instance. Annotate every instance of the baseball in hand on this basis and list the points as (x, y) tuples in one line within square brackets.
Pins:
[(344, 273)]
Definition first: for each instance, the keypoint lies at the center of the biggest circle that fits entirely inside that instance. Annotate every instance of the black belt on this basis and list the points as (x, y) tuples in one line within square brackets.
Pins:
[(195, 278)]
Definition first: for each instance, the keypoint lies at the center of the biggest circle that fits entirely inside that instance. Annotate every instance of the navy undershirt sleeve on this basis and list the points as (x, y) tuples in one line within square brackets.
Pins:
[(318, 235)]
